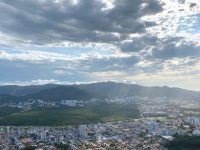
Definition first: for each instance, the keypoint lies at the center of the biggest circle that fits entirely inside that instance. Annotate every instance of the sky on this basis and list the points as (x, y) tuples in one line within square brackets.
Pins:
[(146, 42)]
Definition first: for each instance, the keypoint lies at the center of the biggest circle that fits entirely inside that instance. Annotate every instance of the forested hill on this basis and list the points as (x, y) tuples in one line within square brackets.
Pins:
[(51, 92)]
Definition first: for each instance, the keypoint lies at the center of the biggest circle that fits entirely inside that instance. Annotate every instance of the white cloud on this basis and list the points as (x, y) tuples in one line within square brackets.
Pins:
[(44, 57), (173, 16), (35, 82)]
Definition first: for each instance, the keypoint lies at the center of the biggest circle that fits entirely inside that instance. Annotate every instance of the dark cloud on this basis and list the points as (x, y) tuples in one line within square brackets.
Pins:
[(153, 47), (138, 43), (111, 64), (42, 21), (192, 5), (176, 48), (171, 50)]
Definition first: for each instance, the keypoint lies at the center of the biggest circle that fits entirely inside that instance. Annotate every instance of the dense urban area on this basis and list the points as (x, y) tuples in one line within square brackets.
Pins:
[(160, 121)]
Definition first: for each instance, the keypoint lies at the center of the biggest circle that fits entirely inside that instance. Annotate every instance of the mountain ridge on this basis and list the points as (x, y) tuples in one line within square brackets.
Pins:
[(101, 90)]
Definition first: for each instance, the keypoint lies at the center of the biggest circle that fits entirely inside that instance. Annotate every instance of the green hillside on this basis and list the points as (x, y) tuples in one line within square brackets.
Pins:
[(6, 111)]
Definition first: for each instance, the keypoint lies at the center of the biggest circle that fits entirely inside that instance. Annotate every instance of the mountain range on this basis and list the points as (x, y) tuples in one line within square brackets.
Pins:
[(101, 90)]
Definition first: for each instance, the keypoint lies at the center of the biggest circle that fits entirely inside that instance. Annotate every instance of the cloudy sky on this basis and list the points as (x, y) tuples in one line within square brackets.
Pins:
[(148, 42)]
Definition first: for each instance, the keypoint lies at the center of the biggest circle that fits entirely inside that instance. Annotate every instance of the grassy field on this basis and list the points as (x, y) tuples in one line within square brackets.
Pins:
[(6, 111), (72, 116)]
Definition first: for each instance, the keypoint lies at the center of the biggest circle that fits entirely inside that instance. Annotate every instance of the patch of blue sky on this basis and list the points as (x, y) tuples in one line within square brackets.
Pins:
[(29, 71), (9, 50), (189, 24)]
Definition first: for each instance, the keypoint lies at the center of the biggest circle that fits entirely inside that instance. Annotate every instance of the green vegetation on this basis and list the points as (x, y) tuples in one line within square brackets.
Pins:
[(30, 148), (5, 111), (184, 143), (62, 146), (72, 116)]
